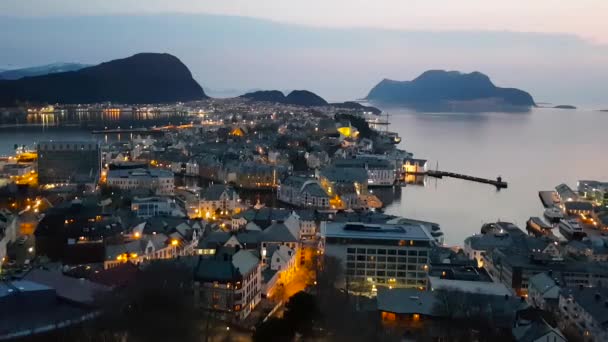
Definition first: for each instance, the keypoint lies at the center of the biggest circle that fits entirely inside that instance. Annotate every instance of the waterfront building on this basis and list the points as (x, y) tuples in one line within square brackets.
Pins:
[(219, 197), (380, 171), (303, 192), (502, 235), (578, 208), (379, 254), (74, 162), (146, 207), (157, 181), (586, 310), (565, 193)]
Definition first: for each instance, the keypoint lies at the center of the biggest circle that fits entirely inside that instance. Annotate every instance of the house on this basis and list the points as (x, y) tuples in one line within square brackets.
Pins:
[(229, 283), (219, 199), (543, 291), (535, 329), (283, 260), (146, 207), (276, 234)]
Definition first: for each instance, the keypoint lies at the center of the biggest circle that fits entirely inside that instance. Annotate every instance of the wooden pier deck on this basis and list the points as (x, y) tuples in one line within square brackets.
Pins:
[(498, 182)]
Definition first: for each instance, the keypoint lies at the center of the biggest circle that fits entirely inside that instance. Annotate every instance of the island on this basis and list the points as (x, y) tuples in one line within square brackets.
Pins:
[(440, 90), (564, 107), (305, 98), (141, 78)]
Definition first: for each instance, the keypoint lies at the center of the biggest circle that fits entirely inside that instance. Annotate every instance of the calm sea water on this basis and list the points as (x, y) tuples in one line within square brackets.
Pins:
[(532, 151)]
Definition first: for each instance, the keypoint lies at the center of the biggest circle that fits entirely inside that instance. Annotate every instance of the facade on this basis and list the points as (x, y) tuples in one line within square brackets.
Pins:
[(379, 254), (68, 162), (219, 197), (585, 310), (146, 207), (229, 284), (157, 181), (543, 291), (380, 172), (303, 192)]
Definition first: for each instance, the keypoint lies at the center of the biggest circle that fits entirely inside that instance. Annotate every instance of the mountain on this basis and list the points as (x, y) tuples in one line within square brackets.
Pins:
[(141, 78), (40, 70), (439, 90), (266, 96), (303, 98)]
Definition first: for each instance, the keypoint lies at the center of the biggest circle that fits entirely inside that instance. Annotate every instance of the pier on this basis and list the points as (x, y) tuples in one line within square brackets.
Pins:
[(498, 182)]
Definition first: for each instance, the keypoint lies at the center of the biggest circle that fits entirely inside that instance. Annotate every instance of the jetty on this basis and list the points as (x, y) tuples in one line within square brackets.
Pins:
[(498, 182)]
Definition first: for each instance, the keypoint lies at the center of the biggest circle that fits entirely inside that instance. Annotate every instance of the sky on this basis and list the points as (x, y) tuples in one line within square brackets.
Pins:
[(557, 50)]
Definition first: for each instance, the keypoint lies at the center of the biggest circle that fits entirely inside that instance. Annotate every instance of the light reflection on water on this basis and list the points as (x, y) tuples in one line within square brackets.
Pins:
[(532, 151)]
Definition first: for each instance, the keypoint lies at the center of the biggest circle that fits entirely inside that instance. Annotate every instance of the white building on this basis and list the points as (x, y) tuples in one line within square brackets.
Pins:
[(8, 232), (160, 182), (219, 197), (302, 224), (283, 260), (379, 254)]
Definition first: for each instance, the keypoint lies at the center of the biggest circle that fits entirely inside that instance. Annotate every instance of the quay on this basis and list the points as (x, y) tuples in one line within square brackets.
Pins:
[(498, 182), (128, 131)]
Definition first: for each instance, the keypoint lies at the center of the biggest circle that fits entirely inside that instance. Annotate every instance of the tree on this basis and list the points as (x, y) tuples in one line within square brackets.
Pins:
[(301, 311), (157, 306), (274, 329)]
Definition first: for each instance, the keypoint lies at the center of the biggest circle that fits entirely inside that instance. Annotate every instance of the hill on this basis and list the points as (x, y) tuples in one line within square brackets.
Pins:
[(141, 78), (54, 68), (304, 98), (439, 89)]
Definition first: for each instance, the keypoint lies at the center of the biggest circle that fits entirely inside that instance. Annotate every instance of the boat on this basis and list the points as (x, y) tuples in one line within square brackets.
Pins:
[(554, 214), (538, 227), (571, 230)]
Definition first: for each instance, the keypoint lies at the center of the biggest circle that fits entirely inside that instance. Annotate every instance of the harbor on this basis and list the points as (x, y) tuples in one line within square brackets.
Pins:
[(498, 182)]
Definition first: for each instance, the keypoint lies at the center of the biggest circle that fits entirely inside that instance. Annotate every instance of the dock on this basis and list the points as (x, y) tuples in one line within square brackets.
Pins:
[(498, 182)]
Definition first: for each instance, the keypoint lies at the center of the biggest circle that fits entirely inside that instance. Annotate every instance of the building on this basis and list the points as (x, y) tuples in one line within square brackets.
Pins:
[(219, 197), (565, 193), (543, 291), (71, 162), (578, 208), (380, 171), (379, 254), (157, 181), (8, 233), (502, 235), (146, 207), (586, 311), (303, 192), (229, 284), (594, 190), (302, 223), (464, 279)]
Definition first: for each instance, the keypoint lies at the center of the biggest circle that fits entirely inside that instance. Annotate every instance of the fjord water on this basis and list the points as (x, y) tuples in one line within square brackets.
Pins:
[(531, 151)]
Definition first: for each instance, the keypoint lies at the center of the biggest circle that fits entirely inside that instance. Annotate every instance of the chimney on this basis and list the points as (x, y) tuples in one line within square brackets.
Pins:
[(598, 296), (506, 297), (580, 287)]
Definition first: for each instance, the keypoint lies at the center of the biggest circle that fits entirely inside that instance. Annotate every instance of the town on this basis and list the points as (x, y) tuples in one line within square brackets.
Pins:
[(256, 220)]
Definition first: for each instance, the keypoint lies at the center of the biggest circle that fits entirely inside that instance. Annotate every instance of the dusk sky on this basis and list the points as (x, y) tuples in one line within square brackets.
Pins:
[(557, 50)]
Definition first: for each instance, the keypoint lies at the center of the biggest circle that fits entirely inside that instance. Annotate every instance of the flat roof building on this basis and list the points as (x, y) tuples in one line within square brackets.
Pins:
[(391, 255), (68, 162)]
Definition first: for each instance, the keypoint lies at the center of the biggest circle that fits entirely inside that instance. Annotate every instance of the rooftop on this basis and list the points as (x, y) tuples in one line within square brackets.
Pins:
[(403, 231), (140, 173)]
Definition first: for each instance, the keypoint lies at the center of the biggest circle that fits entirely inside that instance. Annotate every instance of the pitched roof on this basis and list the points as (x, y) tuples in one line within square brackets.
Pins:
[(545, 285), (534, 331), (214, 192), (277, 232)]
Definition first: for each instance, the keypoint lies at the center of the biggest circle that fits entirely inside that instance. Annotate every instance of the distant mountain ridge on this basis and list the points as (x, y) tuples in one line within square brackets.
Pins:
[(15, 74), (303, 98), (297, 97), (439, 89), (141, 78)]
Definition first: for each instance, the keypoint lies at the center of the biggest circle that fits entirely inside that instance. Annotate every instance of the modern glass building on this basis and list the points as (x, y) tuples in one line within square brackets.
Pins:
[(68, 162)]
